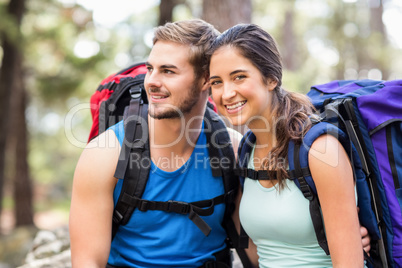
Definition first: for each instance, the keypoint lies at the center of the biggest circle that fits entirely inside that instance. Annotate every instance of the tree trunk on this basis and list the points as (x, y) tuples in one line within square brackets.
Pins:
[(224, 14), (23, 196), (377, 27), (13, 125), (376, 11), (289, 39), (166, 10), (5, 86)]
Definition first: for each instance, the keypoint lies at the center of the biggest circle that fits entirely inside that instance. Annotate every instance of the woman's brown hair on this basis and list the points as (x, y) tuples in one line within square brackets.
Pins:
[(291, 110)]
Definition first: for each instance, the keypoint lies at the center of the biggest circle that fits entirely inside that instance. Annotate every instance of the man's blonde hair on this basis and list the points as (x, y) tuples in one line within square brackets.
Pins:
[(195, 33)]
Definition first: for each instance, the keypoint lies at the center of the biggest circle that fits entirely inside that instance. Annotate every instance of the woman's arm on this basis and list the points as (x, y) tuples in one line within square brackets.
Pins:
[(92, 202), (333, 177)]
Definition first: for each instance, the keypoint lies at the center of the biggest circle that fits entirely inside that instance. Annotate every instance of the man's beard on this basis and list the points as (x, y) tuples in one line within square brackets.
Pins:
[(183, 108)]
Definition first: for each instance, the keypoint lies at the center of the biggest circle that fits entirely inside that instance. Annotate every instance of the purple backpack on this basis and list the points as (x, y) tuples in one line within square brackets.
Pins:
[(370, 114), (366, 117)]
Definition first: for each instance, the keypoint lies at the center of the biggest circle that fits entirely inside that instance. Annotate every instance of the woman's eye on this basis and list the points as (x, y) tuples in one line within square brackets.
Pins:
[(214, 83), (240, 77)]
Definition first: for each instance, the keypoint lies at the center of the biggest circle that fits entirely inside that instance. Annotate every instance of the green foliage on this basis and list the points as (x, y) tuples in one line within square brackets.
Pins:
[(59, 79), (334, 39)]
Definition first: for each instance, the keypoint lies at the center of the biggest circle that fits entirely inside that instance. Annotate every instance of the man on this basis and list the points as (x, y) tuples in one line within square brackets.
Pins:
[(177, 89)]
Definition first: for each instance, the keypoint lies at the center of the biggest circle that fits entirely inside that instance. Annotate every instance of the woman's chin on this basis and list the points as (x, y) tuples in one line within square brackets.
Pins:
[(236, 121)]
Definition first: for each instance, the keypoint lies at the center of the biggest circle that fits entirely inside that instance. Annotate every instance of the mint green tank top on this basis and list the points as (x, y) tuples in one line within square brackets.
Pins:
[(279, 224)]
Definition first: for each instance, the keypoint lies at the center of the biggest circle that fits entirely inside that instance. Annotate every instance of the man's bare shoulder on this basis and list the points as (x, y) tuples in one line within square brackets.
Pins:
[(105, 141), (235, 137), (99, 158)]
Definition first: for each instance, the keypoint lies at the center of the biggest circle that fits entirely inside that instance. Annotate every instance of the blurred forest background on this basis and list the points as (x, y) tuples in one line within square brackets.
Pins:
[(54, 53)]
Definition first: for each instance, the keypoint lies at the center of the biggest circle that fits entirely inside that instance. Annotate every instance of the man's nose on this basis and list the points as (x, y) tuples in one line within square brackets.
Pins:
[(152, 80)]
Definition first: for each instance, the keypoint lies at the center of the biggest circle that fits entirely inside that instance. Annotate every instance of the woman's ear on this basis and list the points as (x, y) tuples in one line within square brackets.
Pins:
[(205, 83), (272, 83)]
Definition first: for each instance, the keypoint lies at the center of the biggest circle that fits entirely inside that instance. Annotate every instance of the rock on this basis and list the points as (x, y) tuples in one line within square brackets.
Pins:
[(59, 260), (50, 249), (15, 245)]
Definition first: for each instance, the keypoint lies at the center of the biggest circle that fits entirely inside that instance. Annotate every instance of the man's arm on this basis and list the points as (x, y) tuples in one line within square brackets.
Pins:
[(92, 202)]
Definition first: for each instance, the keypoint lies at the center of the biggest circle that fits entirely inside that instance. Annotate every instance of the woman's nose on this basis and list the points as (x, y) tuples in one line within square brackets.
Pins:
[(228, 92)]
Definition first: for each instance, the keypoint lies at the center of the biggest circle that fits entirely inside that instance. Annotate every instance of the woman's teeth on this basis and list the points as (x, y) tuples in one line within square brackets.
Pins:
[(236, 105)]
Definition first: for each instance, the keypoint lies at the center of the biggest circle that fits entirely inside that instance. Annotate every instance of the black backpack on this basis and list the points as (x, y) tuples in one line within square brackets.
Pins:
[(122, 96)]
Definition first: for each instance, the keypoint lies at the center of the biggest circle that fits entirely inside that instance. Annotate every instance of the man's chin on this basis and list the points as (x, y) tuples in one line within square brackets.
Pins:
[(165, 115)]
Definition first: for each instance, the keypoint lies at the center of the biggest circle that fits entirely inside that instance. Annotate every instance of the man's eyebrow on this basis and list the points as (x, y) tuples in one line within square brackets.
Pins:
[(168, 66), (164, 66)]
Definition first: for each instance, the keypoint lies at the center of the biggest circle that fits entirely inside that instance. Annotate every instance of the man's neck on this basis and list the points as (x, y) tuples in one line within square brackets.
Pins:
[(173, 133), (178, 135)]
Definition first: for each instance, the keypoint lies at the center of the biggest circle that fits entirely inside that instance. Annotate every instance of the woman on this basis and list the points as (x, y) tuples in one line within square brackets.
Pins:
[(245, 77)]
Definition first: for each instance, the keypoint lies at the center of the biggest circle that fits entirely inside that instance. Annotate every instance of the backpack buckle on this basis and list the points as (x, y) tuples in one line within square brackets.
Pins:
[(143, 206), (305, 188), (242, 172), (117, 217), (178, 207), (135, 92)]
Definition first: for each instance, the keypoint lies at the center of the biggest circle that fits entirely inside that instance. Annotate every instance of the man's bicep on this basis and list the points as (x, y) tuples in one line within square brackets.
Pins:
[(92, 205)]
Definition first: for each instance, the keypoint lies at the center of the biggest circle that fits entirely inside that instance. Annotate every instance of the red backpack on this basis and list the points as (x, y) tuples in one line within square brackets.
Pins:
[(113, 96)]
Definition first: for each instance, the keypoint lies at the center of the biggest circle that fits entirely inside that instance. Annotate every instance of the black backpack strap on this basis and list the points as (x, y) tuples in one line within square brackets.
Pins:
[(134, 151), (253, 174), (221, 154), (221, 151), (193, 209), (314, 204)]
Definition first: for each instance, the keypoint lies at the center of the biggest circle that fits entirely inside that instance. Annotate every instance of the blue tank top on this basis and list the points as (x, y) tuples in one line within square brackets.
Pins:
[(162, 239)]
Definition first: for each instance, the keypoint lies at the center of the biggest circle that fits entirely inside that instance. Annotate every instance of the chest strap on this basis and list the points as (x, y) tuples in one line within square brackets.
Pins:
[(193, 209)]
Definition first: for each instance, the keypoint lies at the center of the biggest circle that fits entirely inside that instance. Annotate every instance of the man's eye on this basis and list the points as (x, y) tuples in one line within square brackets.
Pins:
[(168, 71), (149, 69)]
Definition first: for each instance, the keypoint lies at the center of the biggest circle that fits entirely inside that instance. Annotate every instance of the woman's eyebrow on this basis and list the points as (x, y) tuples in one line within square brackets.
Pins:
[(232, 73), (238, 71), (213, 77)]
